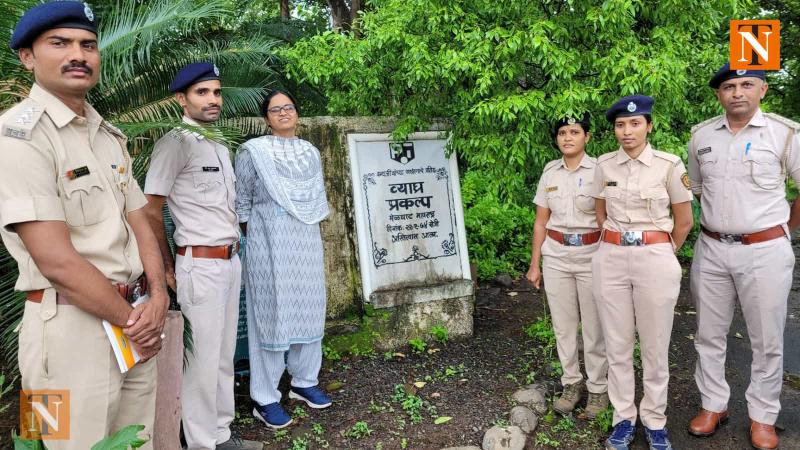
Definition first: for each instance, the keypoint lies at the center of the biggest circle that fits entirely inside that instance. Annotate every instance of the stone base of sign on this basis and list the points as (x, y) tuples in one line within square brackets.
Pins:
[(411, 312)]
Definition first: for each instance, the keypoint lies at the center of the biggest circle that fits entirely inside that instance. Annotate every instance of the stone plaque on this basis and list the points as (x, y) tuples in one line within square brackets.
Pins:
[(409, 218)]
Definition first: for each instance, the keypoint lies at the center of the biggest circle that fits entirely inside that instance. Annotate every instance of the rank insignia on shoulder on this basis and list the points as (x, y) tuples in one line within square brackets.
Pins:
[(77, 173), (210, 169), (551, 188), (611, 183), (704, 150), (685, 180)]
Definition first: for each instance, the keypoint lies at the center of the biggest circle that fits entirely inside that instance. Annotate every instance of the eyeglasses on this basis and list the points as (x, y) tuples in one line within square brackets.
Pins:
[(288, 109)]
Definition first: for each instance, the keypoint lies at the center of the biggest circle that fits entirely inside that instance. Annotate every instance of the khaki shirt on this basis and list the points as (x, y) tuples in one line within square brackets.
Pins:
[(741, 176), (196, 176), (568, 196), (58, 166), (638, 192)]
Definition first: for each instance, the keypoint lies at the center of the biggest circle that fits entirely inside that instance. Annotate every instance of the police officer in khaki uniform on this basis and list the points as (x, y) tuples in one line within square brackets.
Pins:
[(195, 176), (72, 218), (566, 234), (636, 274), (738, 164)]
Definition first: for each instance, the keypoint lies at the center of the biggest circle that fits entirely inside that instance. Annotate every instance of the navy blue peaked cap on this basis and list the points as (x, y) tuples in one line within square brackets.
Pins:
[(193, 73), (56, 14), (725, 73), (632, 105)]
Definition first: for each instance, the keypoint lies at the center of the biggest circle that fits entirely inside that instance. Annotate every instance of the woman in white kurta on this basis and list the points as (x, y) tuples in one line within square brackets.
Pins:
[(280, 201)]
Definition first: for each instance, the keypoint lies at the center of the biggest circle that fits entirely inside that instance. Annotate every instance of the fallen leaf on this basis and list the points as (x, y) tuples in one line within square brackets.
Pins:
[(690, 337), (399, 355), (432, 350), (512, 294), (334, 385), (419, 384), (691, 313), (442, 419), (463, 380), (410, 389), (436, 395), (738, 336)]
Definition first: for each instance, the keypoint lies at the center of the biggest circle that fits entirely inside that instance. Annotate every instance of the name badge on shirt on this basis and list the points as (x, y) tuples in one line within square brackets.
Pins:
[(704, 150), (611, 183), (551, 188), (210, 169), (77, 173)]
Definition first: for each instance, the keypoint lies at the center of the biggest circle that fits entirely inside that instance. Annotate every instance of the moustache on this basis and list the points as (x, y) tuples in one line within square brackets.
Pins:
[(77, 65), (211, 107)]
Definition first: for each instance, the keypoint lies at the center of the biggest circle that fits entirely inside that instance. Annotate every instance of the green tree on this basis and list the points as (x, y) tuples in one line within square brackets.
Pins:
[(501, 72), (786, 84)]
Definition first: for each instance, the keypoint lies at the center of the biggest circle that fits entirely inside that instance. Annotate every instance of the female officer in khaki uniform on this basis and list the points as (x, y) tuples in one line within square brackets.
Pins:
[(566, 234), (636, 276)]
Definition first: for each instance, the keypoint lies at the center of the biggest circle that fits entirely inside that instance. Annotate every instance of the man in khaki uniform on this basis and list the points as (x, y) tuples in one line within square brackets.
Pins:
[(636, 274), (565, 237), (72, 219), (195, 176), (738, 164)]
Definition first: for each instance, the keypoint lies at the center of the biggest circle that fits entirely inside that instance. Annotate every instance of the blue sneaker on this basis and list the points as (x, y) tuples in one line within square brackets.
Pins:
[(622, 436), (658, 439), (313, 396), (273, 415)]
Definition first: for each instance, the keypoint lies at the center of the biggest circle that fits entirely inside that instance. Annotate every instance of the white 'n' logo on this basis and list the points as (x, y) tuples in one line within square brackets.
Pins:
[(757, 47)]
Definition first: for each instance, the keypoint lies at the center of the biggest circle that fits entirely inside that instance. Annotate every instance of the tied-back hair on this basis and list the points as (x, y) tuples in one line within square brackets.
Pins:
[(273, 93)]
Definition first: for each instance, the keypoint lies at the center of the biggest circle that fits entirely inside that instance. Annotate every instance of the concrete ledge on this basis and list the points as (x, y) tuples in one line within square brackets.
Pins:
[(421, 294), (415, 320)]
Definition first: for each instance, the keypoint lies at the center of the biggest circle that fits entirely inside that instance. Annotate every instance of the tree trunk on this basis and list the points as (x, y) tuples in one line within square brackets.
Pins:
[(340, 13), (168, 385), (285, 9)]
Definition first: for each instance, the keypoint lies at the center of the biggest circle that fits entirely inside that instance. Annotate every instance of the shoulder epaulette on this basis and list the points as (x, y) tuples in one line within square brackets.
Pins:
[(550, 165), (788, 122), (21, 119), (674, 159), (606, 156), (705, 122), (111, 128)]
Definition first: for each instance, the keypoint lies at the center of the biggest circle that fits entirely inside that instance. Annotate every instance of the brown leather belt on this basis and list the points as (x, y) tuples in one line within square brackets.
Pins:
[(636, 238), (746, 239), (219, 252), (574, 239), (130, 292)]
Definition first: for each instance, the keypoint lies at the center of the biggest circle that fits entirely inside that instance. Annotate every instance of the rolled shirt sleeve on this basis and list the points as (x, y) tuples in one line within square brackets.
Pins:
[(135, 197), (599, 185), (167, 161), (694, 169), (29, 191), (793, 161), (540, 199)]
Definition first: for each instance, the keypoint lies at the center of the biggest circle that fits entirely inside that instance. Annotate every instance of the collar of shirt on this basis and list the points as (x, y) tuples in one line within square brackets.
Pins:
[(646, 157), (758, 120), (586, 162), (194, 123), (61, 114)]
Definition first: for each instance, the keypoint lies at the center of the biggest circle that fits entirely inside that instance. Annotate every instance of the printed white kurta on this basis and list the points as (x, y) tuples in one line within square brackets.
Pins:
[(284, 266)]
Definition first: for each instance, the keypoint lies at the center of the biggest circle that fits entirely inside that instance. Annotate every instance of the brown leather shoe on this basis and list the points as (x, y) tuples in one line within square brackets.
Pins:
[(763, 436), (706, 423)]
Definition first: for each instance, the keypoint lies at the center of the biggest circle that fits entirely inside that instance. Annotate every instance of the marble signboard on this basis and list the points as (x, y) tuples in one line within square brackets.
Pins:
[(409, 218)]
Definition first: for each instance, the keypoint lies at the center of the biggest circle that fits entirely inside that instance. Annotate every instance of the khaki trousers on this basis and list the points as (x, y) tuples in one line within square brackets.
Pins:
[(62, 347), (760, 277), (208, 292), (636, 289), (567, 273)]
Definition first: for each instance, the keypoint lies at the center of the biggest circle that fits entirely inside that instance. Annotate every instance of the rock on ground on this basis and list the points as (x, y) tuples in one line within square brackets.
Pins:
[(524, 418), (531, 398), (504, 438)]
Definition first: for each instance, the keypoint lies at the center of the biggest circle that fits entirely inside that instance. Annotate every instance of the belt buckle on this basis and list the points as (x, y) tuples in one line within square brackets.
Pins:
[(730, 238), (631, 238), (573, 239)]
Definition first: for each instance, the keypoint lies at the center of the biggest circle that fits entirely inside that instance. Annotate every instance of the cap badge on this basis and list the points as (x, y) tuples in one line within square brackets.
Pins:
[(741, 72), (88, 12), (216, 70), (631, 107), (571, 121)]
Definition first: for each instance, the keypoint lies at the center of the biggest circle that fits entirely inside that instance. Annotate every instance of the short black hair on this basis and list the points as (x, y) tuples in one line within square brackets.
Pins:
[(648, 118), (273, 93)]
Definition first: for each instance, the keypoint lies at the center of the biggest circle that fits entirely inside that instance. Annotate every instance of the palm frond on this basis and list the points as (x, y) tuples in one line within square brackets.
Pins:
[(128, 35)]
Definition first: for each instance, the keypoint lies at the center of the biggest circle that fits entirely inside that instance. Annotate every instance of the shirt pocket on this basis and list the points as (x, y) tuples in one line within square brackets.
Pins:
[(763, 167), (558, 204), (656, 204), (84, 201), (210, 187), (584, 202), (709, 167), (615, 203)]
